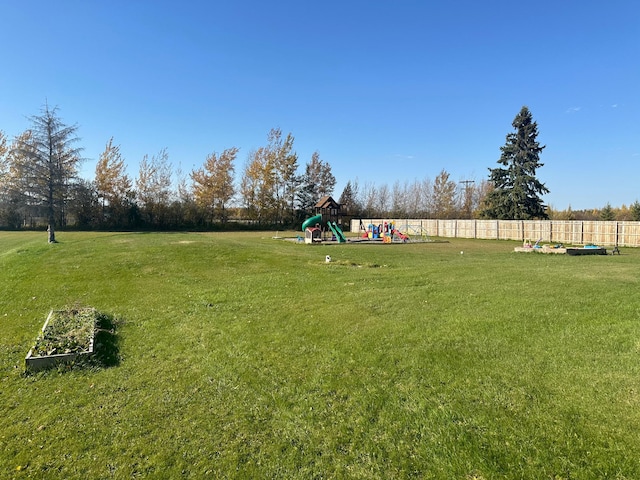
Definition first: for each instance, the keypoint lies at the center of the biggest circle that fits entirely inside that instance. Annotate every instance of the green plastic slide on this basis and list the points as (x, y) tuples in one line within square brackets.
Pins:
[(337, 231), (310, 222)]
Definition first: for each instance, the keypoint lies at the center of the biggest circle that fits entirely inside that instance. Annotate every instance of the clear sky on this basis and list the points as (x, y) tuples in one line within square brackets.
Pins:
[(385, 91)]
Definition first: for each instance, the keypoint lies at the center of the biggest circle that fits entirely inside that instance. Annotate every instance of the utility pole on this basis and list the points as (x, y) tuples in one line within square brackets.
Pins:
[(467, 197)]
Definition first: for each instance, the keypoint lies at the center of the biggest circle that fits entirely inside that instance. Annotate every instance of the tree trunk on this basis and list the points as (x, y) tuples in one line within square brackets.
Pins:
[(52, 234)]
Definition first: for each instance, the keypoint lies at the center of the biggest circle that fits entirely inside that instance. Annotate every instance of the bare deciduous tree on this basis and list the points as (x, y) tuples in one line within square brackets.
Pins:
[(153, 186), (444, 196), (113, 185), (382, 201), (257, 186), (213, 186), (285, 165)]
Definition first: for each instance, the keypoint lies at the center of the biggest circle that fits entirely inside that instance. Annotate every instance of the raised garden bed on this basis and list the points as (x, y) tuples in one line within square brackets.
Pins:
[(587, 250), (66, 336)]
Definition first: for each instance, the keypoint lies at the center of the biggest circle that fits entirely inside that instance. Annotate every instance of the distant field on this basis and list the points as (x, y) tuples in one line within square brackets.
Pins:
[(236, 355)]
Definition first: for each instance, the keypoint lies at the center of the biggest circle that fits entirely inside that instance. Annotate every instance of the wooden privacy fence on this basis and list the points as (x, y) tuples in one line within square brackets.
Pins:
[(568, 232)]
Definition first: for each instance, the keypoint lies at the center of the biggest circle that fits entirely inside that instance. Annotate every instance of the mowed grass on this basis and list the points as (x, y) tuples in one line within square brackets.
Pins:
[(242, 356)]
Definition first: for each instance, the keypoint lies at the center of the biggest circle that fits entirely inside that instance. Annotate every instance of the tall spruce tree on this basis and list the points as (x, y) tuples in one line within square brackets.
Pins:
[(607, 214), (516, 190), (348, 199), (634, 209), (317, 182), (47, 161)]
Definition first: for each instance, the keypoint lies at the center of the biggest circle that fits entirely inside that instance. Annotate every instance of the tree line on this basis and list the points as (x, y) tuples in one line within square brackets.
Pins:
[(39, 184)]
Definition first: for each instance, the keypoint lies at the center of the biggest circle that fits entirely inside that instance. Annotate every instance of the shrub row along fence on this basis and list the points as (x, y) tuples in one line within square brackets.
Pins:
[(568, 232)]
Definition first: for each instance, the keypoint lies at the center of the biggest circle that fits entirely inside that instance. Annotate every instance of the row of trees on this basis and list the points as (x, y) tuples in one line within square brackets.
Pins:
[(427, 198), (443, 198), (606, 213), (39, 181)]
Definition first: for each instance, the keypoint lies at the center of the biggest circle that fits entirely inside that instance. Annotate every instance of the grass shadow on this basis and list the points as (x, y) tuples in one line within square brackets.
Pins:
[(106, 343)]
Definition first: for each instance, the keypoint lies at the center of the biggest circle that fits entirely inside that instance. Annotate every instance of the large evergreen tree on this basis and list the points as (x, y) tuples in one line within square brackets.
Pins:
[(348, 198), (46, 161), (607, 214), (634, 209), (516, 190), (317, 182)]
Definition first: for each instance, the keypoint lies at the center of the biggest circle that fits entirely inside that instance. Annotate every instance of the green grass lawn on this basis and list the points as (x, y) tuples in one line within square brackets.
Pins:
[(235, 355)]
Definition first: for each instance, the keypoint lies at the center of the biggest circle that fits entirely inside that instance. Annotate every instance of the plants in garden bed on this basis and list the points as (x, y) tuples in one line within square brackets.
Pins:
[(67, 331)]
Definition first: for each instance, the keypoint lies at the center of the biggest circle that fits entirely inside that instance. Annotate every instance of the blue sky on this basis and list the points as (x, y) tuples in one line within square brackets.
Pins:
[(384, 91)]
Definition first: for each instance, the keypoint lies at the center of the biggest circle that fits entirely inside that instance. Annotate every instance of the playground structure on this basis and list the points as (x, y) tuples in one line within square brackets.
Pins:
[(415, 231), (316, 231), (385, 231), (312, 228)]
